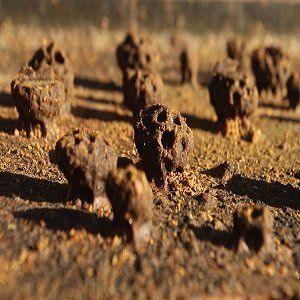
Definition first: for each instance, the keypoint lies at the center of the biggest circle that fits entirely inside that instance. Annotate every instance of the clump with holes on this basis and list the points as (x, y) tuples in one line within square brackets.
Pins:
[(86, 158), (234, 99), (164, 142), (50, 54)]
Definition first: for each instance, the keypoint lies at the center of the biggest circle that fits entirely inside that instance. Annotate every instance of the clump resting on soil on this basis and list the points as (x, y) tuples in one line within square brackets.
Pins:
[(50, 54), (39, 97), (272, 68), (253, 229), (234, 99), (143, 88), (293, 90), (163, 140), (131, 198), (86, 158)]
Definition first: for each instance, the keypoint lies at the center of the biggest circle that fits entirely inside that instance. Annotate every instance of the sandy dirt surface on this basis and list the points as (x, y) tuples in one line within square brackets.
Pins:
[(50, 247)]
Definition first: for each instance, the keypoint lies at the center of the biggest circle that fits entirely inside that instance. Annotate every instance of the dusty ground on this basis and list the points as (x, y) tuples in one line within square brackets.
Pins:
[(50, 248)]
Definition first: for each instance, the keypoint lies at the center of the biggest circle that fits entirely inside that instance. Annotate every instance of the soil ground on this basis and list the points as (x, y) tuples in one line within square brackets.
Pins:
[(50, 247)]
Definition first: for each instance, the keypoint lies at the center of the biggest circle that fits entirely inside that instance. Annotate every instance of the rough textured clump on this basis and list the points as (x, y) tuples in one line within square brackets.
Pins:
[(163, 140), (39, 97), (271, 67), (232, 96), (131, 198), (143, 88), (293, 90), (230, 93), (253, 229), (237, 49), (86, 159), (49, 54), (137, 52), (188, 65)]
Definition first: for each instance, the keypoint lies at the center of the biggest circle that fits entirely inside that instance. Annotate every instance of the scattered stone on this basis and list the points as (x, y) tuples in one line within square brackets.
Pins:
[(39, 97), (207, 201), (293, 90), (233, 97), (142, 88), (272, 68), (225, 171), (86, 159), (131, 198), (237, 49), (163, 140), (50, 54), (253, 229)]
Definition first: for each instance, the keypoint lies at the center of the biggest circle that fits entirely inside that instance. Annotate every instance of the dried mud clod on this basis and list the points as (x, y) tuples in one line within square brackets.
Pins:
[(137, 52), (293, 90), (131, 198), (225, 171), (164, 142), (142, 88), (39, 97), (253, 229), (272, 68), (189, 66), (86, 159), (233, 97), (238, 49), (50, 54)]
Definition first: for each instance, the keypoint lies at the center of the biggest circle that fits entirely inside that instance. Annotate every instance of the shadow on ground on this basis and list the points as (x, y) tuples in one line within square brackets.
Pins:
[(8, 125), (272, 193), (96, 85), (216, 237), (33, 189), (6, 100), (67, 219), (103, 115), (204, 124)]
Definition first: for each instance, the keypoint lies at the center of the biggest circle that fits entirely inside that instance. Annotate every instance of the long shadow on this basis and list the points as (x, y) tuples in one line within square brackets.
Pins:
[(96, 85), (8, 125), (273, 105), (204, 124), (102, 115), (274, 194), (95, 100), (6, 100), (66, 219), (281, 119), (216, 237), (32, 189)]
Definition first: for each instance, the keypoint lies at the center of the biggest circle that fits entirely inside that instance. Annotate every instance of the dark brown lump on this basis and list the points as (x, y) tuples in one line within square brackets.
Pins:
[(39, 97), (237, 49), (86, 158), (164, 141), (233, 97), (131, 198), (230, 93), (293, 90), (50, 54), (137, 52), (143, 88), (253, 229), (272, 68)]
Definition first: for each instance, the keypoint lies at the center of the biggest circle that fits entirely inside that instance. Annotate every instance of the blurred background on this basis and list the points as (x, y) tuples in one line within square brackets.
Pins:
[(240, 16)]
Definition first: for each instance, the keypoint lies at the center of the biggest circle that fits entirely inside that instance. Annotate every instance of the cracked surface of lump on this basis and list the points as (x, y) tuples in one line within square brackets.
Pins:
[(50, 54), (231, 93), (86, 158), (238, 49), (293, 90), (39, 97), (164, 142), (143, 88), (137, 52), (131, 198), (272, 68), (253, 229)]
